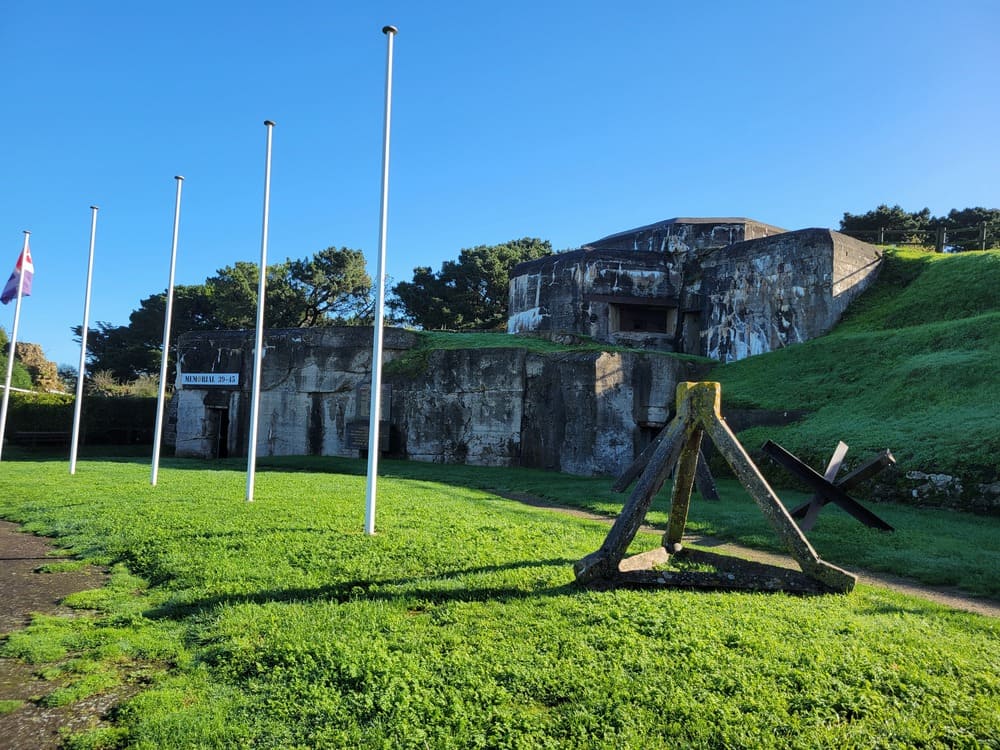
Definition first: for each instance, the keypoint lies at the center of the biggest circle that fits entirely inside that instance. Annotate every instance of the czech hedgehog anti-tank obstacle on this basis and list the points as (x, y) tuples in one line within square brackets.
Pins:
[(699, 412)]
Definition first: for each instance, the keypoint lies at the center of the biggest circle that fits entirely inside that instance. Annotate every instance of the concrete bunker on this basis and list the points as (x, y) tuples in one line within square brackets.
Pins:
[(581, 412), (720, 288)]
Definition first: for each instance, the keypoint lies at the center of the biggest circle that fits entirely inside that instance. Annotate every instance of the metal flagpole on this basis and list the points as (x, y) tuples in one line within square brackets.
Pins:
[(374, 411), (81, 372), (158, 435), (13, 340), (259, 338)]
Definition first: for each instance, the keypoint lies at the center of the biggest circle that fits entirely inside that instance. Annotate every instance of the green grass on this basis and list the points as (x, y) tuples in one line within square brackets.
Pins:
[(280, 624), (912, 367), (9, 706), (935, 547), (415, 361)]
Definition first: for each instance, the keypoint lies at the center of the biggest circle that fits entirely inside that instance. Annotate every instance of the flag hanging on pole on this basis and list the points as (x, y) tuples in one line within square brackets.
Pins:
[(24, 267), (21, 282)]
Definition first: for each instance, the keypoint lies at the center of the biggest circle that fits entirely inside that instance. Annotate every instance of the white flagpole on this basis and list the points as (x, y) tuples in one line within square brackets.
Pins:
[(81, 372), (259, 338), (374, 411), (161, 398), (13, 341)]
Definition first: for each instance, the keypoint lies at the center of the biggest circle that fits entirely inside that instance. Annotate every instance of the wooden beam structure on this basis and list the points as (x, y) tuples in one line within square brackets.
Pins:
[(698, 414)]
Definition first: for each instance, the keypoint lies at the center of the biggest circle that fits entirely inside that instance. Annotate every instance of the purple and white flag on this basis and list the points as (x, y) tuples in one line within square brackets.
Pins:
[(27, 268)]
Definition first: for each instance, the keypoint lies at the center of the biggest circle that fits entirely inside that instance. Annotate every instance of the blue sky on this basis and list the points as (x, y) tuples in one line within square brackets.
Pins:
[(561, 120)]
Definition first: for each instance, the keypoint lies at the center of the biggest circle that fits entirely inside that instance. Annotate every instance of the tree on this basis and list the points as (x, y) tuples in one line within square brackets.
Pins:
[(330, 287), (115, 350), (132, 351), (234, 296), (19, 378), (884, 217), (335, 287), (964, 226), (67, 374), (467, 294)]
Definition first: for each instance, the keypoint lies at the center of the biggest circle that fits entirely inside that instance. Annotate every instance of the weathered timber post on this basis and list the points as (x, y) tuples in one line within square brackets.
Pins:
[(704, 481), (604, 562), (680, 494)]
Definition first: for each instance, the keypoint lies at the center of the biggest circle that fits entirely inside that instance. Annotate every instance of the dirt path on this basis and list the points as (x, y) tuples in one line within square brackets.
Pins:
[(947, 596), (26, 591)]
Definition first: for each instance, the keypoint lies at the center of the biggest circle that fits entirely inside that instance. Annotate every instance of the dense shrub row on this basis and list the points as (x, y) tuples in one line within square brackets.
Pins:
[(127, 419)]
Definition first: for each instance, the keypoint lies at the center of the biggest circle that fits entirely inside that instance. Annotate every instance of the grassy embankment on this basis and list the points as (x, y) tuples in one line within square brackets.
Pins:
[(912, 367), (279, 624)]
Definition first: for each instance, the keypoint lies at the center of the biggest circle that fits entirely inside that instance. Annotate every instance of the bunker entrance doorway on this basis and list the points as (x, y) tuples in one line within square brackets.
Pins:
[(218, 431)]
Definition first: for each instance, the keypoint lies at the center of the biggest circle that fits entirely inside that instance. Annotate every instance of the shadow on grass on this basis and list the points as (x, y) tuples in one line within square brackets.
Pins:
[(439, 589), (384, 590)]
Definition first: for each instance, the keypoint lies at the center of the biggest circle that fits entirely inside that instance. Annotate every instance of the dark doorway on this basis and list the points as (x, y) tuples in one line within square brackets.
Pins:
[(656, 318), (218, 431), (643, 319)]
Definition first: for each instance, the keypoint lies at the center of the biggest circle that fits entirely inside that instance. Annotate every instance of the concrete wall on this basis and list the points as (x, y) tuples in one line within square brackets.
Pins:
[(684, 235), (586, 291), (578, 412), (764, 294), (726, 302), (310, 385)]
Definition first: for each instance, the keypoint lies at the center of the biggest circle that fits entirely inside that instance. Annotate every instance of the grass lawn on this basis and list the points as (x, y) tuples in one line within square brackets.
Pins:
[(279, 624), (935, 547)]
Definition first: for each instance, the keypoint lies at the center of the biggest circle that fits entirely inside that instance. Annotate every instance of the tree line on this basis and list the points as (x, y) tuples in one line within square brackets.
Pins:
[(332, 287), (964, 226)]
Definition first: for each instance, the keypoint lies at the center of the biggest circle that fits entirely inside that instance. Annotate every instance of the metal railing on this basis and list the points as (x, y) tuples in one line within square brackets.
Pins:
[(942, 239)]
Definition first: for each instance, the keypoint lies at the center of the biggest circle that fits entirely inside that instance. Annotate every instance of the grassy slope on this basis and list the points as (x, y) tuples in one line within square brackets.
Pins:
[(279, 624), (912, 367)]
